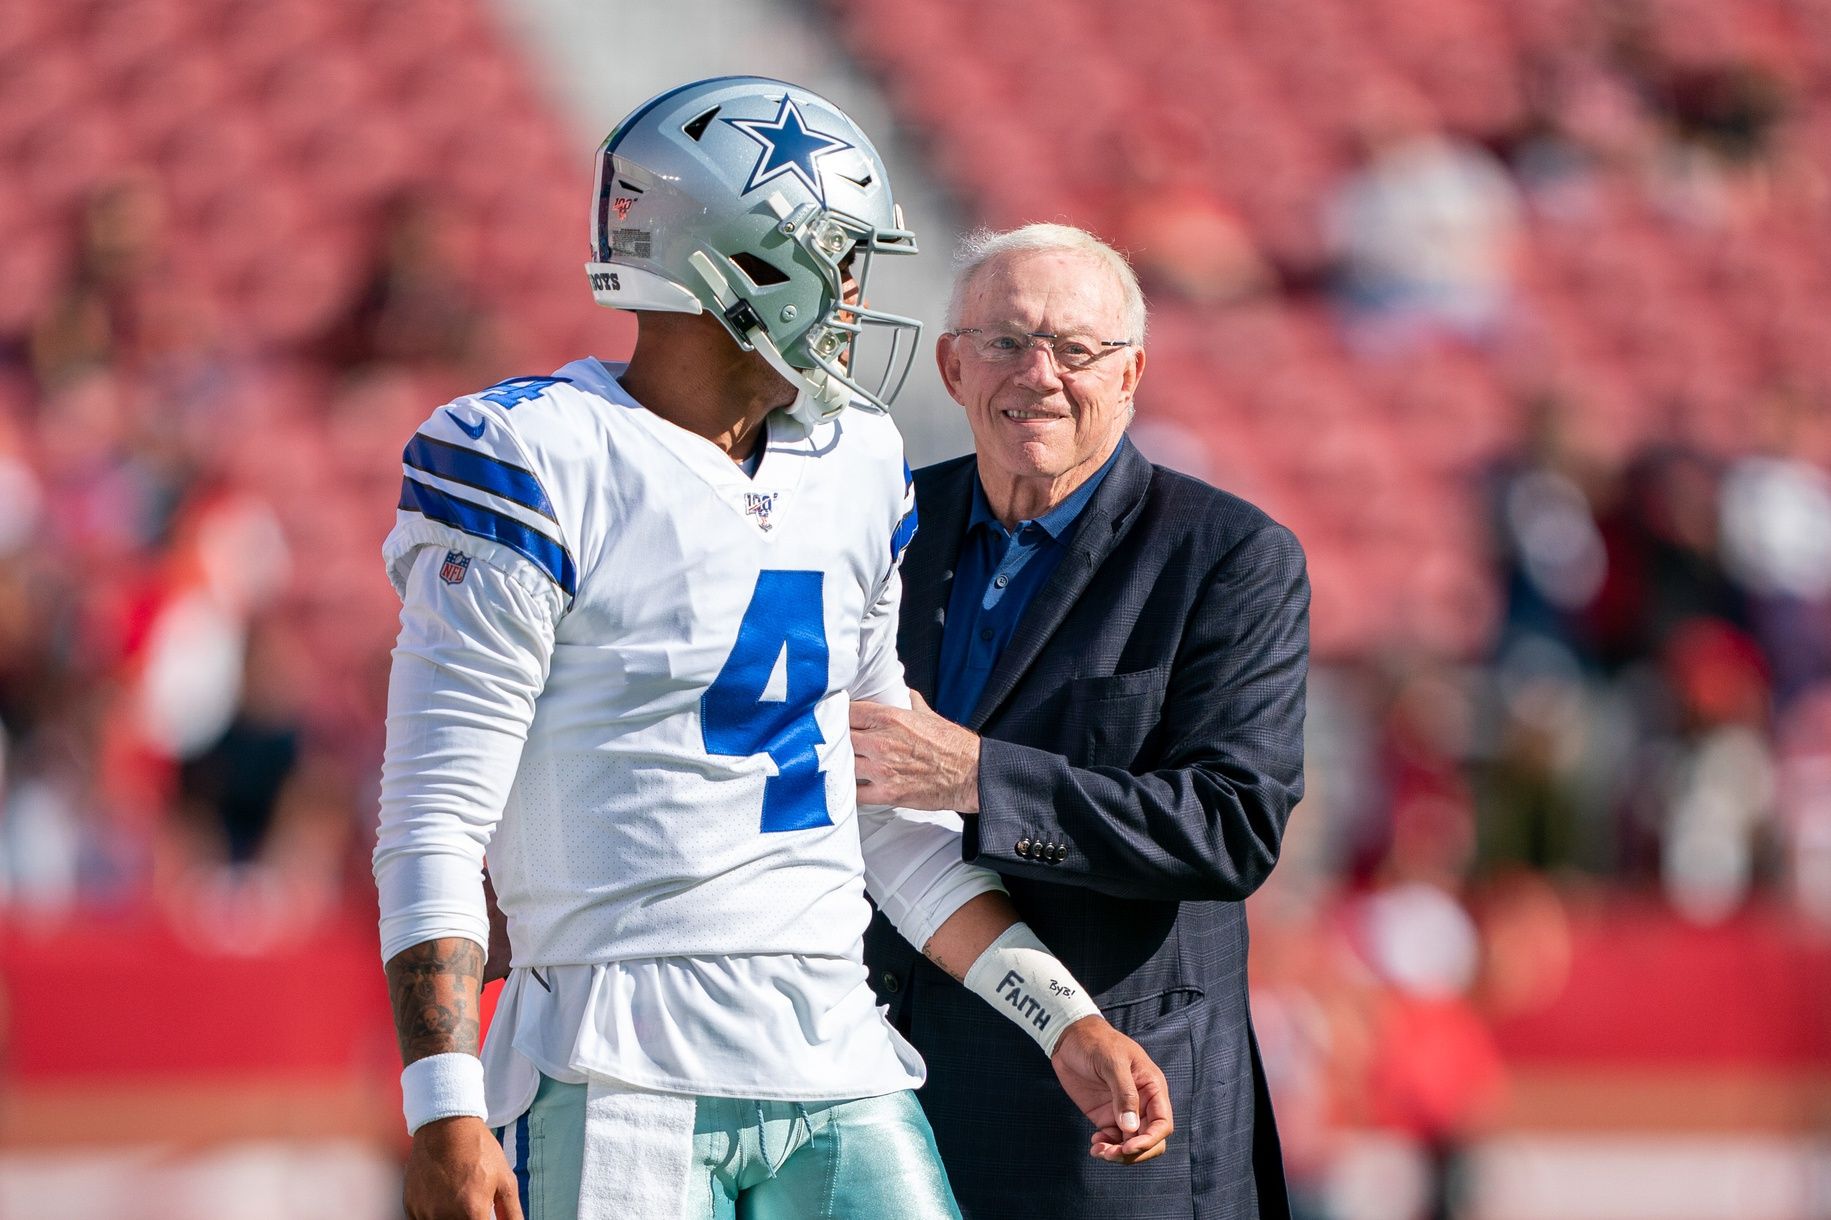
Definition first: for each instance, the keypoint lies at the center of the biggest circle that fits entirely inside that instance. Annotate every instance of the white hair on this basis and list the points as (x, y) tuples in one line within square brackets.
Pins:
[(983, 245)]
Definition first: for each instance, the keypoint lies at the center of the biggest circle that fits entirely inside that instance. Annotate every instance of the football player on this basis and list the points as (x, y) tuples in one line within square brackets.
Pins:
[(636, 603)]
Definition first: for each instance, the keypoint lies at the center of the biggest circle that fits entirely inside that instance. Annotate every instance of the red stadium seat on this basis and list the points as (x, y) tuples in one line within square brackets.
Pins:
[(37, 85), (65, 155), (160, 95)]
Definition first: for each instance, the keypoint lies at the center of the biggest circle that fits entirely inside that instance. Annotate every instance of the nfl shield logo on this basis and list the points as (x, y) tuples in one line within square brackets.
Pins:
[(622, 204), (455, 566)]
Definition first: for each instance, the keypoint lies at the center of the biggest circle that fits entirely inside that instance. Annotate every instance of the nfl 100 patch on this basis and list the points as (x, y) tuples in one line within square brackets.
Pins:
[(759, 505), (456, 564)]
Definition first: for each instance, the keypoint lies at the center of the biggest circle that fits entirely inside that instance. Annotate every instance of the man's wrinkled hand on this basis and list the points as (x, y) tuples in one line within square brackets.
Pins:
[(456, 1171), (914, 757), (1120, 1090)]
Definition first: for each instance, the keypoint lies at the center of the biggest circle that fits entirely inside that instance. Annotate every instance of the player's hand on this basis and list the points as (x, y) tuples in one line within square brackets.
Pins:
[(913, 757), (456, 1171), (1118, 1088)]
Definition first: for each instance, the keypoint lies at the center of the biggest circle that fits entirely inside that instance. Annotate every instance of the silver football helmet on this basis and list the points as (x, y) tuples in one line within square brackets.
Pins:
[(752, 198)]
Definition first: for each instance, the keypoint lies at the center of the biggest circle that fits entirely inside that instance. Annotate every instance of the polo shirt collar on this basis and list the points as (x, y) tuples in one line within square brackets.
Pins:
[(1058, 520)]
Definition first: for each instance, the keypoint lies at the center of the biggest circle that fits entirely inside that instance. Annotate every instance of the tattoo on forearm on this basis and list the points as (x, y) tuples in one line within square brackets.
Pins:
[(956, 968), (434, 988)]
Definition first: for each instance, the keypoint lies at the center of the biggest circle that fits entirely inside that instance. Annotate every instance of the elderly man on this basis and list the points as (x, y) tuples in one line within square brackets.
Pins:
[(1117, 656)]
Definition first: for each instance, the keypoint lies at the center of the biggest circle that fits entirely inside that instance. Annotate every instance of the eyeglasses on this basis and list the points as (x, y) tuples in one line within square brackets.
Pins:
[(1072, 353)]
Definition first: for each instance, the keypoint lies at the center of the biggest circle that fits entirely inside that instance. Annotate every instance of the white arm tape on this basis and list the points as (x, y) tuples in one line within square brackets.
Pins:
[(442, 1086), (1019, 977)]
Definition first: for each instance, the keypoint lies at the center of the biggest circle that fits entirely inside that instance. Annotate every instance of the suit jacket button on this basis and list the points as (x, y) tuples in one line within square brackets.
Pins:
[(1061, 852), (1023, 847), (890, 983)]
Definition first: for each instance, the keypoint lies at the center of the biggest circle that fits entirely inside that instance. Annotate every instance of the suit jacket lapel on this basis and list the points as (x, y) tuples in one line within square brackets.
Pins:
[(944, 502), (1103, 523)]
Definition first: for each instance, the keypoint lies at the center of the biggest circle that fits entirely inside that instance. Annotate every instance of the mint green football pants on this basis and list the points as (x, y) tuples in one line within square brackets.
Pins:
[(869, 1159)]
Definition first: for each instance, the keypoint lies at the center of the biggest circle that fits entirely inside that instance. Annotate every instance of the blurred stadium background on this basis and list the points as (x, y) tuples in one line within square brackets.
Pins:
[(1515, 310)]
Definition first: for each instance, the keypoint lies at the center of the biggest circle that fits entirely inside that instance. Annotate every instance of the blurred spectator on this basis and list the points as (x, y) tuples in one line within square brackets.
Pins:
[(227, 559), (1306, 1019), (113, 503), (1776, 528), (1714, 779), (1424, 232), (41, 815), (1720, 116), (414, 305), (1588, 127), (1526, 942), (102, 315), (230, 792), (1533, 808), (262, 828), (1436, 1075), (1803, 794), (60, 841), (1664, 566), (1728, 110), (1548, 547), (1425, 727)]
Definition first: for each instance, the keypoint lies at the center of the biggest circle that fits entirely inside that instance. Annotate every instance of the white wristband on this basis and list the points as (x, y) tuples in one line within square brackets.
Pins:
[(442, 1086), (1019, 977)]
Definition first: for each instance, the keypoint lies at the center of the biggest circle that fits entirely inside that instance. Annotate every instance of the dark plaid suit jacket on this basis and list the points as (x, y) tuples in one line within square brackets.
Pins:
[(1143, 746)]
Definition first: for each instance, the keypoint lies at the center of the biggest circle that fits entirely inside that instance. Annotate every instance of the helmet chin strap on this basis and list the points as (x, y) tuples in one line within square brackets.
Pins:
[(826, 396)]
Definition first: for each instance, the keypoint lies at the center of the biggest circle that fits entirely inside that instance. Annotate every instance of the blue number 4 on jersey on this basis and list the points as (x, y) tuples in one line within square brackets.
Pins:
[(784, 615)]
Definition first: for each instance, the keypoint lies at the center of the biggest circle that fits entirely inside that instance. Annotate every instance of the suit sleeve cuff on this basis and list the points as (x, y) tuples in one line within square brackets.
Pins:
[(1014, 831)]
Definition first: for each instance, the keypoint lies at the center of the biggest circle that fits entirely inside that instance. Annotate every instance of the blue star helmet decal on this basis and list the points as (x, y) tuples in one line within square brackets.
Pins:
[(789, 147)]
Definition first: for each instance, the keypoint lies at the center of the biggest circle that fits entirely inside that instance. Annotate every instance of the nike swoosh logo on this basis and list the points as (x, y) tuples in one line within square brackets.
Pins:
[(474, 431)]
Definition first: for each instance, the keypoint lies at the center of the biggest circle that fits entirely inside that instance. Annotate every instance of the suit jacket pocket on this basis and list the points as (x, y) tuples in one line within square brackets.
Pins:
[(1134, 1017), (1112, 714), (1169, 1026), (1118, 686)]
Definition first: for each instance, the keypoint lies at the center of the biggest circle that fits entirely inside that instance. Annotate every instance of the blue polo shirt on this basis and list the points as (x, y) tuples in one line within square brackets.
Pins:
[(999, 573)]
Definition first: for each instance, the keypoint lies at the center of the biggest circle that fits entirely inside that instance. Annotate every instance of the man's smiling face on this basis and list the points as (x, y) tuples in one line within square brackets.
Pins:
[(1031, 418)]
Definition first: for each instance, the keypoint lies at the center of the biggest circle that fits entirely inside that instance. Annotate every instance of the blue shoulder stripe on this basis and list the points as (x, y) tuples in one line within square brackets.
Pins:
[(905, 530), (479, 470), (543, 552)]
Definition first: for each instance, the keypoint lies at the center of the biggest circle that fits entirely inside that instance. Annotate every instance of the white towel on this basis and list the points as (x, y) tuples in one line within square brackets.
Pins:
[(638, 1153)]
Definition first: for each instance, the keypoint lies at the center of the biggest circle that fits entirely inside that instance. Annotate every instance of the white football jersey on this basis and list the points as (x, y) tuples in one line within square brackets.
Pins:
[(689, 742), (686, 787), (623, 668)]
